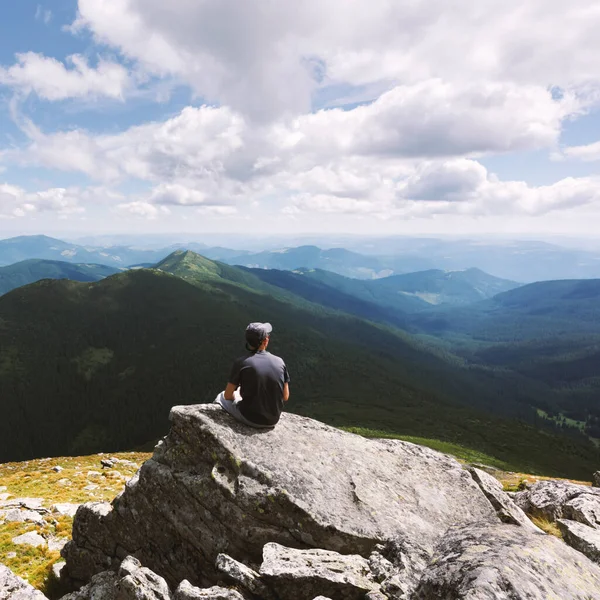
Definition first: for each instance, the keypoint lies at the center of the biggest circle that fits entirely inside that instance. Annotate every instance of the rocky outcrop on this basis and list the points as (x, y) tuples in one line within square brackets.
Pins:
[(505, 507), (15, 588), (491, 562), (554, 500), (305, 574), (581, 537), (596, 479), (216, 486), (304, 511)]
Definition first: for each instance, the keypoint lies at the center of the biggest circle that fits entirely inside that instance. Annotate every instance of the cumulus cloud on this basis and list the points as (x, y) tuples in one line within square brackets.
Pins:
[(16, 202), (268, 59), (142, 209), (52, 80), (588, 152)]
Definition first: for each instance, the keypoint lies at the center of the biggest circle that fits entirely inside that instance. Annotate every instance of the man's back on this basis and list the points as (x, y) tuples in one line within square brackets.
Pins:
[(261, 377)]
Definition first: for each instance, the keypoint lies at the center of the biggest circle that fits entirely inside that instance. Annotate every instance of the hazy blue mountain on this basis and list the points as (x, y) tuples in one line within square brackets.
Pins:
[(443, 287), (32, 270), (337, 260)]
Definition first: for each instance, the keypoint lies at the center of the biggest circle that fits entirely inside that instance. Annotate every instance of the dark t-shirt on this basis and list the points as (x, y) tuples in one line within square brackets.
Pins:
[(261, 377)]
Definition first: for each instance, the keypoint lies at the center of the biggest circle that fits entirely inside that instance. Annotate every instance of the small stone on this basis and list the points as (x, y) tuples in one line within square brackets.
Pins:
[(114, 474), (57, 543), (57, 569), (186, 591), (16, 515), (11, 555), (64, 482), (4, 497), (129, 566), (242, 575), (57, 469), (30, 539), (64, 509), (90, 487), (93, 474), (2, 488)]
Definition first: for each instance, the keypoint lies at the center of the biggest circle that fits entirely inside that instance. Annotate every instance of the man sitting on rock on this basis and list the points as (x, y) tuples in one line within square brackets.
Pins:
[(262, 379)]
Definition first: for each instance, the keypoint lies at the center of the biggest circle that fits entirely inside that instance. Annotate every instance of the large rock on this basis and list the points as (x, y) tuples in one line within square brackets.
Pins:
[(186, 591), (505, 507), (581, 537), (304, 574), (504, 562), (15, 588), (547, 499), (584, 508), (216, 486)]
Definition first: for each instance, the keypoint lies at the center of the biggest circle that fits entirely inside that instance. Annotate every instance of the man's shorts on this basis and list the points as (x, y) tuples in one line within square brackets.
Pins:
[(231, 406)]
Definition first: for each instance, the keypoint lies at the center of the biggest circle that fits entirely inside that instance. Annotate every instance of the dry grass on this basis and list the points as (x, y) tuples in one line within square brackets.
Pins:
[(547, 526), (37, 479), (514, 482)]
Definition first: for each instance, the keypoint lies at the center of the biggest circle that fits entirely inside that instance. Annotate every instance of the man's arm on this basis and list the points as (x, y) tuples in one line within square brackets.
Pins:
[(286, 391), (231, 387)]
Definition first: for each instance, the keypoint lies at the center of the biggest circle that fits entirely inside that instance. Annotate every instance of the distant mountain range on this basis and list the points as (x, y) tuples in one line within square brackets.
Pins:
[(32, 270), (96, 366), (515, 261)]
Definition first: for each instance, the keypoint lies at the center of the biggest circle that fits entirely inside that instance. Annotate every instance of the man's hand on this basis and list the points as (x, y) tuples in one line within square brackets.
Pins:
[(286, 392), (229, 391)]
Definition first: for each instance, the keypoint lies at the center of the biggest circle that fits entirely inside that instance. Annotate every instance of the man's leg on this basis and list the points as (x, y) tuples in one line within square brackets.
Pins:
[(231, 407)]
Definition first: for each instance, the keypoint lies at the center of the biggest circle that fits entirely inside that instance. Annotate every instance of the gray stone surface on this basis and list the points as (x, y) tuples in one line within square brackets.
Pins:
[(30, 538), (596, 479), (17, 515), (584, 508), (101, 587), (303, 574), (243, 575), (186, 591), (505, 562), (64, 509), (216, 486), (505, 507), (547, 499), (581, 537), (15, 588), (142, 584)]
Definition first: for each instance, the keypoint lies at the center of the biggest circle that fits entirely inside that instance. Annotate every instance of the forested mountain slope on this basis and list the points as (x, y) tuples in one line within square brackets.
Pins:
[(88, 367), (30, 271)]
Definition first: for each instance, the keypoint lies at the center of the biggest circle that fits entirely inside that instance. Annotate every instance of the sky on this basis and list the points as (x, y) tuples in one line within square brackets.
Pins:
[(279, 117)]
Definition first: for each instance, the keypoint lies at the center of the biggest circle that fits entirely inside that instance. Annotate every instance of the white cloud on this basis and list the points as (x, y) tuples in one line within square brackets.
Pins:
[(16, 202), (142, 209), (588, 152), (266, 59), (52, 80)]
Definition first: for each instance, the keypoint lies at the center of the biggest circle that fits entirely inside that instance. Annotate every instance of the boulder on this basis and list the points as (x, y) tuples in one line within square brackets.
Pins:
[(303, 574), (216, 486), (16, 515), (596, 479), (133, 582), (186, 591), (581, 537), (243, 575), (15, 588), (30, 538), (504, 562), (505, 507), (584, 508), (546, 499), (101, 587)]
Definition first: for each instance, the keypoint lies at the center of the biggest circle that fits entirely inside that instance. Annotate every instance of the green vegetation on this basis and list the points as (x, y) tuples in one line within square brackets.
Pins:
[(98, 366), (32, 270), (37, 479)]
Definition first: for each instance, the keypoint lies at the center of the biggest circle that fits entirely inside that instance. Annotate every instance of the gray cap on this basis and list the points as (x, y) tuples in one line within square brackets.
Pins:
[(257, 332)]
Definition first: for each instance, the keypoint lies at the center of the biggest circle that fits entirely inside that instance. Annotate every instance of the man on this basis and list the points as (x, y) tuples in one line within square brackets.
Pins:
[(263, 382)]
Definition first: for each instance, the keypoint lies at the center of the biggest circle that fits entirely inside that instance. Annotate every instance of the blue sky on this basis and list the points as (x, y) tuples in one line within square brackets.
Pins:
[(141, 116)]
